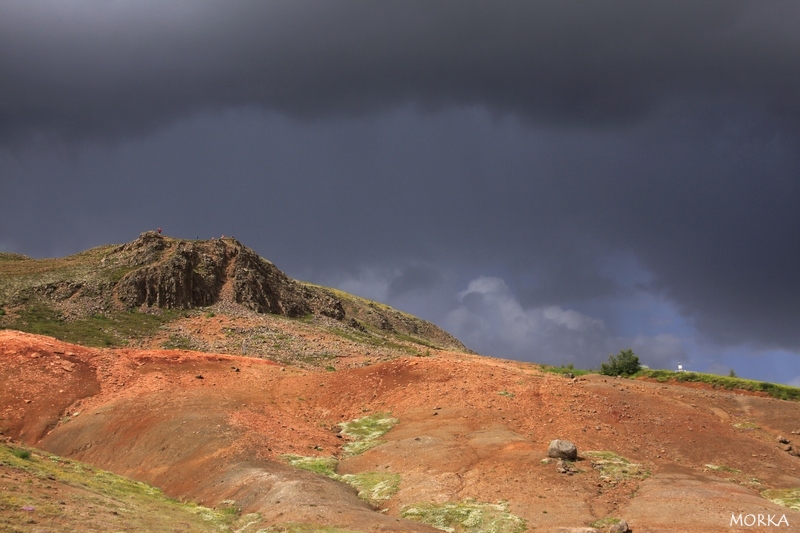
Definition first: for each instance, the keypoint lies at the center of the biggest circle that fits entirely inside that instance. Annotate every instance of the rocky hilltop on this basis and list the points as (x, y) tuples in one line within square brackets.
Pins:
[(155, 273), (171, 273)]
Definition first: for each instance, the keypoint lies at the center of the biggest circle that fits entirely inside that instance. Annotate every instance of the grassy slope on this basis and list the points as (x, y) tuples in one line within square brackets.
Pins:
[(783, 392), (41, 490)]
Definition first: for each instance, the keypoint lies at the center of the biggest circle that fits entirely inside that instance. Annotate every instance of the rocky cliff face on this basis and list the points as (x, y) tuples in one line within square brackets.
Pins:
[(180, 274)]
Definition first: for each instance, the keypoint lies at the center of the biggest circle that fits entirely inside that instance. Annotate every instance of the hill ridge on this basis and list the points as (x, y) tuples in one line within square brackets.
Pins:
[(156, 273)]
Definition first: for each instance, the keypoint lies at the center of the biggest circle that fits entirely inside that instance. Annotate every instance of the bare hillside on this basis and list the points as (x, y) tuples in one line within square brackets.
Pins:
[(466, 434)]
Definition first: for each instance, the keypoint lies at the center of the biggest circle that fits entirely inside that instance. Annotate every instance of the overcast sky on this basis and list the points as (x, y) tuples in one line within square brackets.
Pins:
[(548, 181)]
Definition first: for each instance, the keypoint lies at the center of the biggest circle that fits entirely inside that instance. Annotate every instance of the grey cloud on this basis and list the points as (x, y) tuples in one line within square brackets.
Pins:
[(92, 69), (414, 278), (491, 320), (407, 148)]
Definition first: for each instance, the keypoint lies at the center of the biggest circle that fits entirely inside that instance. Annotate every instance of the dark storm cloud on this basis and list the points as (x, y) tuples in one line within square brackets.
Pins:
[(499, 157), (90, 68)]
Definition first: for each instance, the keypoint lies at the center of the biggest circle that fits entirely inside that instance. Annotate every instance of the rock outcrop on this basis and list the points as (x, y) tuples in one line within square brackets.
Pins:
[(184, 274)]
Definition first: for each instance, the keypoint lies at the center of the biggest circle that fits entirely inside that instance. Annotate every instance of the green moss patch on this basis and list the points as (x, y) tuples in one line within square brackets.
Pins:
[(603, 523), (568, 369), (613, 467), (365, 432), (723, 468), (468, 516), (294, 527), (101, 330), (786, 497), (373, 487), (325, 466)]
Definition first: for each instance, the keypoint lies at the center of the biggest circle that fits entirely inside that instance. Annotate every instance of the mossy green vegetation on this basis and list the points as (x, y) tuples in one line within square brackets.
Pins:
[(95, 500), (372, 337), (566, 369), (373, 487), (8, 256), (366, 431), (786, 497), (467, 516), (782, 392), (606, 522), (722, 468), (178, 342), (325, 466), (613, 467), (295, 527), (21, 453), (101, 330)]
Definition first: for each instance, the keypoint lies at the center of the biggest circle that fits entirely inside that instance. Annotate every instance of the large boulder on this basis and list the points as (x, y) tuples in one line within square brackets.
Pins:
[(562, 449)]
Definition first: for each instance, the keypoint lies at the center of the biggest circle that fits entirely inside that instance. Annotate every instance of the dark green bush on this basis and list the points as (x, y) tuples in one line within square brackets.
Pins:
[(22, 454), (625, 363)]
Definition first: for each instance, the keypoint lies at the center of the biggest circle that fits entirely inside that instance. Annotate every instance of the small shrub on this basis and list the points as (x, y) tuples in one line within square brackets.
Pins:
[(625, 363), (22, 454)]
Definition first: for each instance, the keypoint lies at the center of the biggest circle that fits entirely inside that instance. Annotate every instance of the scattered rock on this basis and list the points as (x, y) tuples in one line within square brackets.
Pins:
[(619, 527), (563, 467), (562, 449), (199, 376), (783, 440), (355, 324)]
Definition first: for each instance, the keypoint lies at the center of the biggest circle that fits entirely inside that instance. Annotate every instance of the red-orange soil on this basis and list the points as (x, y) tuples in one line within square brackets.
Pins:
[(208, 428)]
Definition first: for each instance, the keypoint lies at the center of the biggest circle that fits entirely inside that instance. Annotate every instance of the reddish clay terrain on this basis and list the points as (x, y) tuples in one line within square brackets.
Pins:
[(210, 428)]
